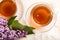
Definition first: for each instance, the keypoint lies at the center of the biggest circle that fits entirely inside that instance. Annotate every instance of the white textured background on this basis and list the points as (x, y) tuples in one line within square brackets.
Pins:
[(54, 33)]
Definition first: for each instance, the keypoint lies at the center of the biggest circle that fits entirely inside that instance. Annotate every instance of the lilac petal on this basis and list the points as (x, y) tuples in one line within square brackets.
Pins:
[(1, 28)]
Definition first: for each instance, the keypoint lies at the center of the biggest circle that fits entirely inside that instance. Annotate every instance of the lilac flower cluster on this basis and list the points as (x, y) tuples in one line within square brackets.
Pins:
[(7, 34)]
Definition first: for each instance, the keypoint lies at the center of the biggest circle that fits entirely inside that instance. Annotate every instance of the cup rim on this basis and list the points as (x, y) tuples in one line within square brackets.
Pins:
[(51, 24), (19, 12)]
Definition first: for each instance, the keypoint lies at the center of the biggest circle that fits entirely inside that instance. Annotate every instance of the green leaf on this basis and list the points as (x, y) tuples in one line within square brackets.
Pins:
[(10, 21), (16, 25), (29, 29)]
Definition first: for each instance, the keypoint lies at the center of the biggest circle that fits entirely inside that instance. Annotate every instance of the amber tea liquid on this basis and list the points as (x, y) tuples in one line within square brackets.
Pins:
[(41, 15)]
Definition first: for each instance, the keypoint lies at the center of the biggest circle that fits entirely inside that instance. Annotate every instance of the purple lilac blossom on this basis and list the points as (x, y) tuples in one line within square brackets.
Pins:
[(8, 34)]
